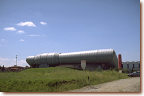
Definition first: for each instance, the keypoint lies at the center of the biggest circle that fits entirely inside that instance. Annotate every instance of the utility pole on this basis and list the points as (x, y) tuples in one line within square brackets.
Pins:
[(16, 60)]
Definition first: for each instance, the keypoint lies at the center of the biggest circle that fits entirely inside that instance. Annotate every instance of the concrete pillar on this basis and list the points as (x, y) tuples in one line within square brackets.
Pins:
[(119, 61), (83, 64)]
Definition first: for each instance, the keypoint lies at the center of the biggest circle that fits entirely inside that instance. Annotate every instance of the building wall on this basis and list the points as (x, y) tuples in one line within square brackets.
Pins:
[(131, 66)]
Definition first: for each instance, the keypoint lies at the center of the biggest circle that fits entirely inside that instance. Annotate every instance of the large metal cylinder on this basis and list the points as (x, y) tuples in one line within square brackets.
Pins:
[(105, 56)]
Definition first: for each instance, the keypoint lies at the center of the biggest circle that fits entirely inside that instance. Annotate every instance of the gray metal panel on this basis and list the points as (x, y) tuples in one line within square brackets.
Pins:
[(30, 60), (49, 58), (43, 59), (70, 58), (36, 59), (115, 60), (55, 58), (96, 56)]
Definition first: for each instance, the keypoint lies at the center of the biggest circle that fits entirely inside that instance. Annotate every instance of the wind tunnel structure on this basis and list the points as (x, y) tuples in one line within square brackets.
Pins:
[(104, 59)]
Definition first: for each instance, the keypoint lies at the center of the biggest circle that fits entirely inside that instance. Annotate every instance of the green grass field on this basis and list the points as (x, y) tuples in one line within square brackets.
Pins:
[(54, 79)]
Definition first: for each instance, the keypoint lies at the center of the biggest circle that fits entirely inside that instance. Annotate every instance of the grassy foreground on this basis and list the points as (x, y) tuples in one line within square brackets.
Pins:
[(54, 79)]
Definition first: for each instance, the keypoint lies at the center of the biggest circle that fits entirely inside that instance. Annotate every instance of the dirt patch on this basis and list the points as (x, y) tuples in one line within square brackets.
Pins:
[(123, 85)]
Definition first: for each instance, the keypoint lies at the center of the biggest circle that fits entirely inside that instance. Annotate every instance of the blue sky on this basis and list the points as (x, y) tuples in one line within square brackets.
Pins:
[(31, 27)]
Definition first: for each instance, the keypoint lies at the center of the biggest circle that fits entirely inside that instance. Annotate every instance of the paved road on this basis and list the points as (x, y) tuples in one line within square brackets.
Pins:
[(122, 85)]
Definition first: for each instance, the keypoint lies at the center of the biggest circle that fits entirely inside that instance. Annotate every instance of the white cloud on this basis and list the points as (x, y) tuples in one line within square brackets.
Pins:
[(20, 32), (12, 61), (33, 35), (28, 23), (21, 40), (43, 23), (10, 29)]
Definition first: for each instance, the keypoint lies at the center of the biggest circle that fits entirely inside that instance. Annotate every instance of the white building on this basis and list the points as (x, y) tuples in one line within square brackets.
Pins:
[(131, 66)]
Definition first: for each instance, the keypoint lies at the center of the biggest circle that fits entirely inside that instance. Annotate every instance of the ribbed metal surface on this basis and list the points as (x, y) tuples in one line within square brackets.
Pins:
[(94, 56), (105, 56), (30, 60)]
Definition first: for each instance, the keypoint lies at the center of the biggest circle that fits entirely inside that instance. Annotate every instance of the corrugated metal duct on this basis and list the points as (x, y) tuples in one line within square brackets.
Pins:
[(104, 56)]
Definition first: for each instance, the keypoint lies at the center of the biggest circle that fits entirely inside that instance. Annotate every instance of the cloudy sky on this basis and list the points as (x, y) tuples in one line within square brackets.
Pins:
[(31, 27)]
